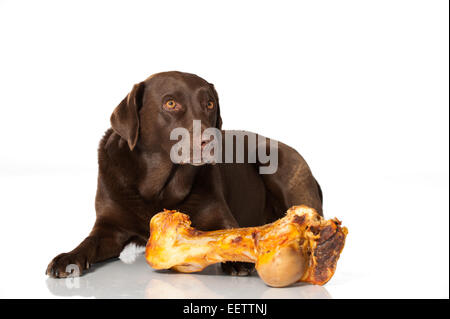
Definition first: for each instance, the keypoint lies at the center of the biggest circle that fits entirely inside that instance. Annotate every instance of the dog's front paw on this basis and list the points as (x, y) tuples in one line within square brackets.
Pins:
[(238, 268), (67, 264)]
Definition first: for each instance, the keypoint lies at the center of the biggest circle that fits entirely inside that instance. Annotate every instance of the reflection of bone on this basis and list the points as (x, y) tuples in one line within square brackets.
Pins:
[(299, 290), (209, 284), (301, 246), (181, 288), (159, 289)]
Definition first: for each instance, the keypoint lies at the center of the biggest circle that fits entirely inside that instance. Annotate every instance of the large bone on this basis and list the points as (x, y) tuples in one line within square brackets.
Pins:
[(301, 246)]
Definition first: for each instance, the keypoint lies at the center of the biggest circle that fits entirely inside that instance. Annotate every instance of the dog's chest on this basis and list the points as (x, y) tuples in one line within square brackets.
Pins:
[(167, 187)]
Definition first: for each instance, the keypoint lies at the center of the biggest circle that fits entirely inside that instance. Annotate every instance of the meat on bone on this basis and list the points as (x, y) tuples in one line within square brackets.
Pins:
[(301, 246)]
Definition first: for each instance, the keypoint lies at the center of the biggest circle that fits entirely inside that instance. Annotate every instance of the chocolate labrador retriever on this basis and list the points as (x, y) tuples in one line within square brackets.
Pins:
[(137, 177)]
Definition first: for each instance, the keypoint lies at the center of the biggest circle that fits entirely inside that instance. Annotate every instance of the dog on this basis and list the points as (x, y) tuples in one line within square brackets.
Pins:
[(137, 178)]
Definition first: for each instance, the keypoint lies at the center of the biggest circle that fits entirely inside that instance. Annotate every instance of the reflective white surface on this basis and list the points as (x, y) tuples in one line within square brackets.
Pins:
[(138, 280), (395, 249)]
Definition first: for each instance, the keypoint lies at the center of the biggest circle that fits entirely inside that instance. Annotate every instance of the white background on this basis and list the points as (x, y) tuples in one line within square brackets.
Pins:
[(359, 88)]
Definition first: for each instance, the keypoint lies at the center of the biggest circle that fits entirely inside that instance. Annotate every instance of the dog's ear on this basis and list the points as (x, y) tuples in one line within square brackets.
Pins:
[(125, 118), (216, 97)]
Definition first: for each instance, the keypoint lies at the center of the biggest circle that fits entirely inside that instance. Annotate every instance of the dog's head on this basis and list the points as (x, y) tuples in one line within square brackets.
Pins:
[(155, 107)]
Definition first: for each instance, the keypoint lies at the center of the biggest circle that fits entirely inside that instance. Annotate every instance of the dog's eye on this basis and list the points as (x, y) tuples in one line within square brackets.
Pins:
[(170, 104), (210, 105)]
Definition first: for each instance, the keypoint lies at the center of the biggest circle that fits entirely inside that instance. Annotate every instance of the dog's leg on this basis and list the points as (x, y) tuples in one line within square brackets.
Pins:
[(231, 267), (105, 241), (293, 183)]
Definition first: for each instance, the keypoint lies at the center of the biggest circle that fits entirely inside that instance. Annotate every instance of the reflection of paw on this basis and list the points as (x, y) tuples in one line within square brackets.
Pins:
[(238, 268), (67, 264)]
